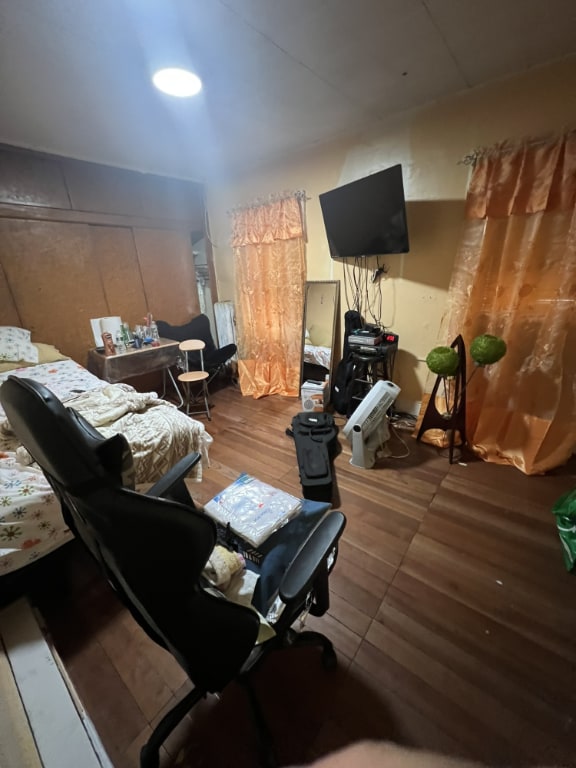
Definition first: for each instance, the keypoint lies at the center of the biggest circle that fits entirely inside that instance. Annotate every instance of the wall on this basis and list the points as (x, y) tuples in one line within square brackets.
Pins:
[(429, 143), (80, 240)]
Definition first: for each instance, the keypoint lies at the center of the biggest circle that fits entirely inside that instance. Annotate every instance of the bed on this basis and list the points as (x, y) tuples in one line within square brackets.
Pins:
[(317, 355), (315, 352), (31, 524)]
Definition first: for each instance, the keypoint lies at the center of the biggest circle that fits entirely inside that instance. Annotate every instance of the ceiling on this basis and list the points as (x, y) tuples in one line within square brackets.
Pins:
[(279, 75)]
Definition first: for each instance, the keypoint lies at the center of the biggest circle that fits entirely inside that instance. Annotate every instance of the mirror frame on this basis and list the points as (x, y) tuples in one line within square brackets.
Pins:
[(335, 317)]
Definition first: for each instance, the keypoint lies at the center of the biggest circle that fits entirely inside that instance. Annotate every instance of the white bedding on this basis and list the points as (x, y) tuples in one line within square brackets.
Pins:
[(317, 355), (31, 524)]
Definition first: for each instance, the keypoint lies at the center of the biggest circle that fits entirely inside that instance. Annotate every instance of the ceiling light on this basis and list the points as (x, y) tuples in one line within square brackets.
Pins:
[(177, 82)]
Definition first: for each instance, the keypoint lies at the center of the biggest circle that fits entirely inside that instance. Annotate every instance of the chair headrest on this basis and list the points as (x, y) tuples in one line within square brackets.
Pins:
[(50, 433)]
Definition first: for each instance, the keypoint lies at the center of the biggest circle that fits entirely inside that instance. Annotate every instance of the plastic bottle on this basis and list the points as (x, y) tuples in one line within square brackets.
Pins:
[(120, 345), (126, 335), (154, 334)]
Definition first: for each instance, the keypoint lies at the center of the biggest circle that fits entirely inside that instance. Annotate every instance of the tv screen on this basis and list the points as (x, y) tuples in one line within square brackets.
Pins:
[(368, 216)]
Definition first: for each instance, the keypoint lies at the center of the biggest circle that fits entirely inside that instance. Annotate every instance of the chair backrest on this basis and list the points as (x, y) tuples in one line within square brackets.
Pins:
[(152, 550), (197, 328)]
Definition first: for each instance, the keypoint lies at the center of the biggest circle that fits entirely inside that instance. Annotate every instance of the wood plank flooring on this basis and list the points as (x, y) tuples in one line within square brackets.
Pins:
[(451, 611)]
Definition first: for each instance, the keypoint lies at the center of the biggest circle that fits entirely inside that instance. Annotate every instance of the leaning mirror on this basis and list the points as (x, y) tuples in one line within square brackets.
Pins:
[(321, 302)]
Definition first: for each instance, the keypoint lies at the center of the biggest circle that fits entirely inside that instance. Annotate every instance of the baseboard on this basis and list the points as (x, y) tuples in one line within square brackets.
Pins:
[(46, 718), (403, 405)]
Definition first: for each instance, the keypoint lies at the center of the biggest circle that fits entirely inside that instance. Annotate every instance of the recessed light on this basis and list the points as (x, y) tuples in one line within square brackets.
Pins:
[(177, 82)]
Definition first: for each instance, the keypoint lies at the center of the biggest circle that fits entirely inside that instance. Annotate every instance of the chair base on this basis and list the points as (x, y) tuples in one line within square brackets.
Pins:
[(150, 752), (308, 638)]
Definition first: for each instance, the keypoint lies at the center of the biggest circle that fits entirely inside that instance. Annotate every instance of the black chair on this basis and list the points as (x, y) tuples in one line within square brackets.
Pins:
[(213, 639), (215, 358)]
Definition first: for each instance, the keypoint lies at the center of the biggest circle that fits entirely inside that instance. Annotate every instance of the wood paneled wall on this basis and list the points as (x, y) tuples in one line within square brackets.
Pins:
[(80, 240)]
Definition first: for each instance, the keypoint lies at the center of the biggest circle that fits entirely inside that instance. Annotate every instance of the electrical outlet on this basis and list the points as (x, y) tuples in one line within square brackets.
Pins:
[(378, 273)]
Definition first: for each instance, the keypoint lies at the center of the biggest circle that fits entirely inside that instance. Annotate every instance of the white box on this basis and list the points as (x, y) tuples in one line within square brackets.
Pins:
[(314, 395)]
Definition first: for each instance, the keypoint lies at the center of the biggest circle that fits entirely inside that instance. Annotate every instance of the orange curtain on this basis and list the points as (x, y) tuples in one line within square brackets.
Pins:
[(270, 271), (515, 277)]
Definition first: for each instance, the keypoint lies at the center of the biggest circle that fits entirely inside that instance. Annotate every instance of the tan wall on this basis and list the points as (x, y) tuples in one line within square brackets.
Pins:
[(80, 240), (429, 144)]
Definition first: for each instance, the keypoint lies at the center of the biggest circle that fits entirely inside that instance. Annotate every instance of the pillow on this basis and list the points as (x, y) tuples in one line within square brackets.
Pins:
[(10, 332), (14, 346), (28, 352), (320, 336), (47, 353)]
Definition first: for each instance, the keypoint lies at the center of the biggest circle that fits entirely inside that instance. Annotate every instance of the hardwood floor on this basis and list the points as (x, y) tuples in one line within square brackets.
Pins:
[(451, 611)]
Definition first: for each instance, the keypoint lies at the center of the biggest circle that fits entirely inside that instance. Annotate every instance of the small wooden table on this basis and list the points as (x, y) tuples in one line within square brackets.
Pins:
[(134, 362)]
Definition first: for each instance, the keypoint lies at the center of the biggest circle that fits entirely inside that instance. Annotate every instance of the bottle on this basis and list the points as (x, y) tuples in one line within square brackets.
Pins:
[(107, 341), (155, 336), (120, 345), (148, 328), (126, 335)]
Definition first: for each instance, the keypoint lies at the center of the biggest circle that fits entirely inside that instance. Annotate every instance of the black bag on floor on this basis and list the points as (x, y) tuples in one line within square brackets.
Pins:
[(316, 438)]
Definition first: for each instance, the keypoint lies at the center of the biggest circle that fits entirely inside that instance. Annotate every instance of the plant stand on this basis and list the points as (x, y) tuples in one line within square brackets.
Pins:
[(455, 419)]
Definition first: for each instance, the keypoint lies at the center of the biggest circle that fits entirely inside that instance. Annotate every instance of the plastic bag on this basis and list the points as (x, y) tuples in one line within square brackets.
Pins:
[(565, 511), (252, 508)]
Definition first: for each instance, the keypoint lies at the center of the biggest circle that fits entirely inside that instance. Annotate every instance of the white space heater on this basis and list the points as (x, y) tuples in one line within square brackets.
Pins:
[(367, 428)]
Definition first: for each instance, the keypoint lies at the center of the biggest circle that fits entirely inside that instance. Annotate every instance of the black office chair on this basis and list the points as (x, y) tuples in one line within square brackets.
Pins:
[(215, 358), (214, 640)]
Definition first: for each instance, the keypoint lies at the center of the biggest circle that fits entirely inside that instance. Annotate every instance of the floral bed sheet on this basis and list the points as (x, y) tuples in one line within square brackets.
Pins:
[(31, 523)]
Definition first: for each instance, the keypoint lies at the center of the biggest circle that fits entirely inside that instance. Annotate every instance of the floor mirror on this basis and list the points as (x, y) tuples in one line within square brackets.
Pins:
[(321, 307)]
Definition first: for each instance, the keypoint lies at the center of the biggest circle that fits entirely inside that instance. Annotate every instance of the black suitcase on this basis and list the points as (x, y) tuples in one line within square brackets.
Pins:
[(316, 439)]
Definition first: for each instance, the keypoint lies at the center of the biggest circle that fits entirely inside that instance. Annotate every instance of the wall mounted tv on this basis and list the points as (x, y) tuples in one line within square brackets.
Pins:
[(367, 217)]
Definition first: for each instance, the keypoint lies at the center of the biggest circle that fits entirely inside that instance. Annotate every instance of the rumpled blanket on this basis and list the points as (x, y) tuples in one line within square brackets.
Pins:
[(158, 433)]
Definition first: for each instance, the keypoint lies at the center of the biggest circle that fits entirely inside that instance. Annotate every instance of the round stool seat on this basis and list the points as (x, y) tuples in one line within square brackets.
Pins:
[(192, 376), (192, 345)]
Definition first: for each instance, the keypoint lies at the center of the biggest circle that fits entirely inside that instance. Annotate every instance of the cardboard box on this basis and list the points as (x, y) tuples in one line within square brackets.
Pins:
[(314, 395)]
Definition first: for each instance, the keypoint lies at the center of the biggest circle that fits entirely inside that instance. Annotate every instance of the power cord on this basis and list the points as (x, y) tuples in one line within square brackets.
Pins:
[(405, 455), (403, 420)]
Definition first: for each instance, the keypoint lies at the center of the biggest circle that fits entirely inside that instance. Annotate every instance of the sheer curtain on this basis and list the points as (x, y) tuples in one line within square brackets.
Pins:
[(515, 277), (270, 271)]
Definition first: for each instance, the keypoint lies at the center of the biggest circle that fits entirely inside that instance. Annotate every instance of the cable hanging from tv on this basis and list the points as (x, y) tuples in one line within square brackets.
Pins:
[(362, 291)]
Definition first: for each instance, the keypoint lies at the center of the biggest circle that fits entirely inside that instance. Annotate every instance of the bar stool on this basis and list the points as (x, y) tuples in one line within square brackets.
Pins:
[(370, 368), (189, 377)]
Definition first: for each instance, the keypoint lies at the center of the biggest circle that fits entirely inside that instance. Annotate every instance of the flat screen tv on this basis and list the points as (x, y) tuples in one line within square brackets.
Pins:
[(367, 217)]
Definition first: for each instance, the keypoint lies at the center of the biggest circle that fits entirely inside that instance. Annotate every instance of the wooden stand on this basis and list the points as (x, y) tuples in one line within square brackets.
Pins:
[(433, 419)]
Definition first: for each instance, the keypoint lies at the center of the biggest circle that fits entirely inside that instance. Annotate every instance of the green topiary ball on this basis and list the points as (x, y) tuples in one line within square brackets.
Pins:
[(443, 361), (487, 349)]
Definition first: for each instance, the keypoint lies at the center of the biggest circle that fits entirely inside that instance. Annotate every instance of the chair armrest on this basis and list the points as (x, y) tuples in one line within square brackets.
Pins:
[(172, 484), (311, 558)]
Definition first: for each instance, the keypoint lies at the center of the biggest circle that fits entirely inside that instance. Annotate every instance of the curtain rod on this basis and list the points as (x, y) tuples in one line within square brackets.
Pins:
[(273, 197), (510, 145)]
